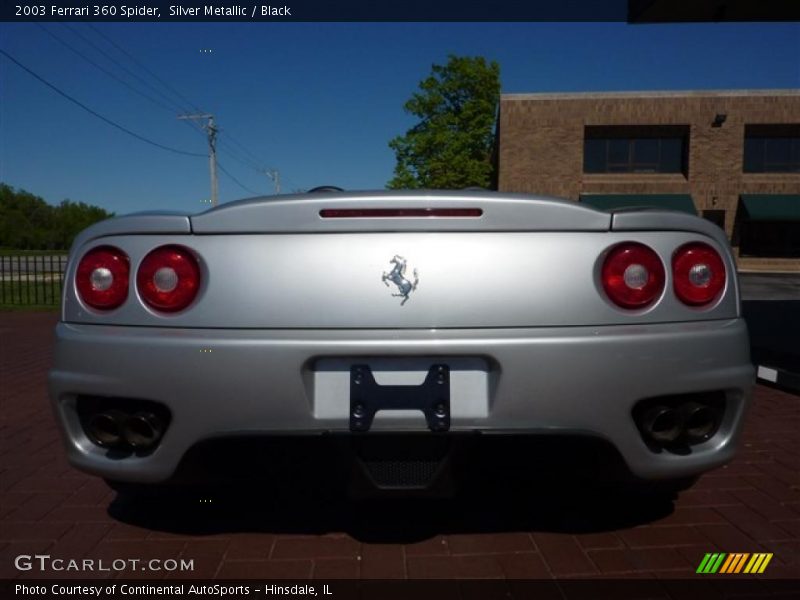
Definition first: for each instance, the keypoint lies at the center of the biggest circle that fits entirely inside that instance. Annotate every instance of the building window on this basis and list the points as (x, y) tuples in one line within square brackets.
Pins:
[(768, 225), (636, 149), (770, 240), (772, 149)]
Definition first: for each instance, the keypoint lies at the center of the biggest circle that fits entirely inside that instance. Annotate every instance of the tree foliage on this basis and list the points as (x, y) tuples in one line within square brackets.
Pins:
[(451, 146), (27, 222)]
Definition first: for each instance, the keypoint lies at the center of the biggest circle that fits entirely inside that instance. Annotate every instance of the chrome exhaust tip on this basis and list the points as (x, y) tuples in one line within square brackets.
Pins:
[(700, 421), (105, 428), (662, 424), (142, 430)]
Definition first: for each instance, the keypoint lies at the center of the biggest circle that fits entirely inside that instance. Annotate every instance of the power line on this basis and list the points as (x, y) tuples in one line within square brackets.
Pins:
[(178, 108), (95, 113), (242, 147), (103, 69), (272, 174), (255, 162), (241, 185), (293, 184), (237, 156), (275, 177), (135, 60), (193, 126), (252, 161), (246, 157), (124, 68)]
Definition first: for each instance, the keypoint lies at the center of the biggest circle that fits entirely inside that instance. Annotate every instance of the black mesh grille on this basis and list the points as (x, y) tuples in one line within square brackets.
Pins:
[(402, 473), (399, 461)]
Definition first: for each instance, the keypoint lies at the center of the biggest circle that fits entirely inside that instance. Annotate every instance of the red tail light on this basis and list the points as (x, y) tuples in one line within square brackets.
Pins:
[(102, 277), (168, 278), (632, 275), (699, 274)]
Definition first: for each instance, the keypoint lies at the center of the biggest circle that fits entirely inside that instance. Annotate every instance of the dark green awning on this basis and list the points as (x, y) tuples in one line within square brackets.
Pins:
[(771, 207), (681, 202)]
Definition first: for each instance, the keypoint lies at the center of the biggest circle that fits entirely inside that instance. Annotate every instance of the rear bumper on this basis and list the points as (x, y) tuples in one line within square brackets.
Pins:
[(576, 380)]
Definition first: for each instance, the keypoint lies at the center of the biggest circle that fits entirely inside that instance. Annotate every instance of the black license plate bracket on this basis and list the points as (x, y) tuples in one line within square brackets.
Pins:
[(432, 397)]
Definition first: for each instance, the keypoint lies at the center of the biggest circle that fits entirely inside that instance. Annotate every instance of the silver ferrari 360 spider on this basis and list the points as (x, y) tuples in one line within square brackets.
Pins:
[(398, 324)]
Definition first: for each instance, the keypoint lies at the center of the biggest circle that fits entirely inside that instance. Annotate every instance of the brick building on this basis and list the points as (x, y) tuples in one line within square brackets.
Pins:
[(730, 156)]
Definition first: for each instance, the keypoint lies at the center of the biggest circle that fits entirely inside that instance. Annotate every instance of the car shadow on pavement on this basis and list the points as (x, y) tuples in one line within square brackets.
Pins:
[(491, 493), (405, 520)]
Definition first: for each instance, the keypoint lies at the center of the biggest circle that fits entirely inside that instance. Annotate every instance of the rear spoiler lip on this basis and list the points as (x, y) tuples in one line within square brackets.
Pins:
[(667, 220), (144, 223), (301, 213)]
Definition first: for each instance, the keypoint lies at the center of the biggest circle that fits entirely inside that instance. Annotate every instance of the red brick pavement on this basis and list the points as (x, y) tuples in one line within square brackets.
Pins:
[(752, 505)]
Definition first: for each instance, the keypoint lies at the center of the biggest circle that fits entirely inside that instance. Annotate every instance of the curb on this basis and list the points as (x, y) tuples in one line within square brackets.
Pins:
[(783, 379)]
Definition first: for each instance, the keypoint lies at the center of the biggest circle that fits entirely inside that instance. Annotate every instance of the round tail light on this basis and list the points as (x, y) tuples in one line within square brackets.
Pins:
[(632, 275), (102, 277), (168, 278), (699, 274)]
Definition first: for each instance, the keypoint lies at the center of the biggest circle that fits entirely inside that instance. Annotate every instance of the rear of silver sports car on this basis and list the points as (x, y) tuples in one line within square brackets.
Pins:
[(418, 318)]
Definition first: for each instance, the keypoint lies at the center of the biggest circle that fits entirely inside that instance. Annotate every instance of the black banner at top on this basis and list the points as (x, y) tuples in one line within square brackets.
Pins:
[(313, 10), (633, 11)]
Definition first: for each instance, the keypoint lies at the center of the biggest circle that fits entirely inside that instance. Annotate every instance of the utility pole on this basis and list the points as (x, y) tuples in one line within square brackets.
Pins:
[(211, 130), (275, 177)]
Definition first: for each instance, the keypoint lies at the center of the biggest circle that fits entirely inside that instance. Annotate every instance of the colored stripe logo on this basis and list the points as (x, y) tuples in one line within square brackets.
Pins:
[(736, 562)]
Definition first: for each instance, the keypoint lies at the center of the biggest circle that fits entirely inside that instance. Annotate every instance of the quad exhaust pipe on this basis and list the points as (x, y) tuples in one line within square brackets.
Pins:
[(142, 430), (699, 421), (691, 422), (116, 429), (105, 428), (662, 424)]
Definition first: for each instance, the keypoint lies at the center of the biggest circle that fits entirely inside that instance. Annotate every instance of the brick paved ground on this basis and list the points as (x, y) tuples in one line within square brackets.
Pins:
[(752, 505)]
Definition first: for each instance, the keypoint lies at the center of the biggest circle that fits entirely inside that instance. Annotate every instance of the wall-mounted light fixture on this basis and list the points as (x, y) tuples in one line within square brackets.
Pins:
[(719, 119)]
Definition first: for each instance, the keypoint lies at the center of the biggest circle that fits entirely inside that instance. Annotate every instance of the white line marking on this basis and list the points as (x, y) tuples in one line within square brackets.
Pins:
[(767, 373)]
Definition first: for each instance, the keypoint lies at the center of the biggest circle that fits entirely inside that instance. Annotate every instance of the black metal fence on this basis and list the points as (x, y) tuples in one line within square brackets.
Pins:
[(32, 280)]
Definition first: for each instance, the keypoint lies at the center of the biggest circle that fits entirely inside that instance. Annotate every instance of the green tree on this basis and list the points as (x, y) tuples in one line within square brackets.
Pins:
[(73, 217), (451, 146), (27, 222)]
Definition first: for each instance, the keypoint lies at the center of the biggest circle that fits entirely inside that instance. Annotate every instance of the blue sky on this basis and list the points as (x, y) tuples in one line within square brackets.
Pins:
[(317, 101)]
